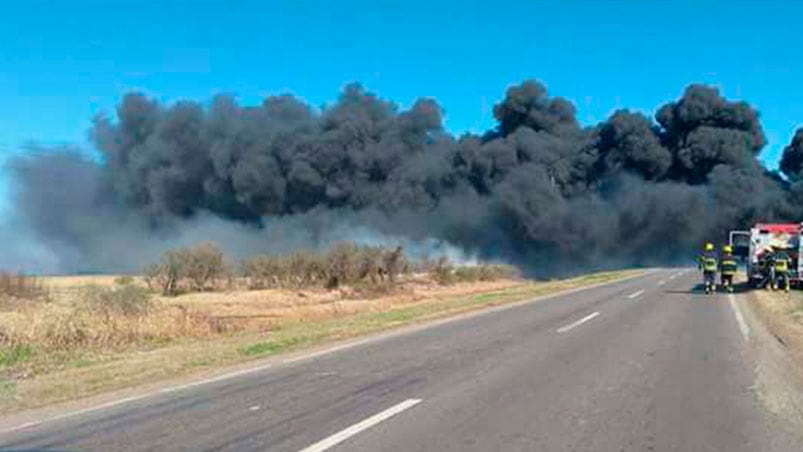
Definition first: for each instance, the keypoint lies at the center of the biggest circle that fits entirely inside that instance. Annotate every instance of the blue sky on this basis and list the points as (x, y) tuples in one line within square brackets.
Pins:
[(61, 62)]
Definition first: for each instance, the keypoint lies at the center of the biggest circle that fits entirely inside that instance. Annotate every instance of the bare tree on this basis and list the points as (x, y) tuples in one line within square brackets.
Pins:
[(204, 262), (393, 263)]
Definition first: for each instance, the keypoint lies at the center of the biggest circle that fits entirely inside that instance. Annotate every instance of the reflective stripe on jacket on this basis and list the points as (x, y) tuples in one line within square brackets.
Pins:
[(729, 266), (710, 264)]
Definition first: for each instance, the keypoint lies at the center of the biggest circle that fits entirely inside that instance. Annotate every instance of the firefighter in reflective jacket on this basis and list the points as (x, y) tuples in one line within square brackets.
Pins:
[(727, 268), (779, 269), (707, 248), (709, 265)]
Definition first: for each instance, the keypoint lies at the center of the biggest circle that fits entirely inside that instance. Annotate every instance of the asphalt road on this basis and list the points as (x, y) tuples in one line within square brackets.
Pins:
[(645, 364)]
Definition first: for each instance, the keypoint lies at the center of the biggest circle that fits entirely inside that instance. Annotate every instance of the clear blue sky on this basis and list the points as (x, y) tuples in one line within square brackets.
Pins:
[(63, 61)]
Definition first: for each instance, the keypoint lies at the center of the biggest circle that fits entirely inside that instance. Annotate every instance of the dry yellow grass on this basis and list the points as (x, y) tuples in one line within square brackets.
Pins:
[(75, 281), (782, 313), (68, 322), (261, 309)]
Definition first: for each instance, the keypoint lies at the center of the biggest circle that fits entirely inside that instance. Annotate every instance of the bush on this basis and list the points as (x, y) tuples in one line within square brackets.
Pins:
[(173, 268), (303, 269), (442, 271), (128, 300), (297, 270), (198, 266), (342, 265), (202, 264), (152, 274), (20, 286), (15, 354), (393, 263), (499, 271), (124, 280), (484, 272), (369, 264), (468, 274), (345, 264), (261, 271)]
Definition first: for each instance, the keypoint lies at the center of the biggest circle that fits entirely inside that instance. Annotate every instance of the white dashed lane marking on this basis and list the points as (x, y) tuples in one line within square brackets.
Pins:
[(635, 294), (339, 437), (577, 323)]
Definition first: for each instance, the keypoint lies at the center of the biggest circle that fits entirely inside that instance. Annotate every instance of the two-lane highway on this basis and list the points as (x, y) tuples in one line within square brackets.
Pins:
[(642, 364)]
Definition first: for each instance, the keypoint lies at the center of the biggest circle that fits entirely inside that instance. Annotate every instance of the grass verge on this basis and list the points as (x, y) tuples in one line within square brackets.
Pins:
[(86, 375), (782, 314)]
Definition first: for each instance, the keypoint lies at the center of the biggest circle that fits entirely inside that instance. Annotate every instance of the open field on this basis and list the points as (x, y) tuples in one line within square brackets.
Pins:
[(56, 350), (78, 281)]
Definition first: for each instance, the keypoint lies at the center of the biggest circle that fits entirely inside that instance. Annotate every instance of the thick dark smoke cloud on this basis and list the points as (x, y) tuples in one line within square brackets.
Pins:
[(705, 130), (539, 190), (792, 158)]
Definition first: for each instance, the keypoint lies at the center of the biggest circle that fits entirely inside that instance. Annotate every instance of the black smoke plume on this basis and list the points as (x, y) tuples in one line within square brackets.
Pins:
[(792, 158), (540, 190)]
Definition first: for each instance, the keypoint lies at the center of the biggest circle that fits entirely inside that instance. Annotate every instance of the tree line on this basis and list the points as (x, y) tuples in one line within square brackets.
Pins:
[(206, 267)]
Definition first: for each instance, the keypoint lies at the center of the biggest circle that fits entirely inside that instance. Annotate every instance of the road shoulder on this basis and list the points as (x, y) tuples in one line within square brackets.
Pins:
[(775, 356)]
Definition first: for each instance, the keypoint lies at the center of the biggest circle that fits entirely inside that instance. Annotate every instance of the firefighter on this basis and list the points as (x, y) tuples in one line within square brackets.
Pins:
[(709, 265), (779, 268), (708, 247), (727, 268)]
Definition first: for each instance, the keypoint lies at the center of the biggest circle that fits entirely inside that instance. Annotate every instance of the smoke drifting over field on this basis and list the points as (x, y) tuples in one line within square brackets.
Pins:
[(539, 190)]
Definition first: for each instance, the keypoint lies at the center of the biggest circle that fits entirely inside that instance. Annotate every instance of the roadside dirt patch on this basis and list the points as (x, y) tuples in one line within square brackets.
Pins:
[(782, 314), (775, 350)]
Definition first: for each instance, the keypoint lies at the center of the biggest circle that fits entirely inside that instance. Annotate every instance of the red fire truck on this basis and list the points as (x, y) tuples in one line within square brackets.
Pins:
[(760, 241)]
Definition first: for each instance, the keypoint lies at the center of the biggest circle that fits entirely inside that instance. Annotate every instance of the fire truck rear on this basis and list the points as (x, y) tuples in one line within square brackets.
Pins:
[(758, 244)]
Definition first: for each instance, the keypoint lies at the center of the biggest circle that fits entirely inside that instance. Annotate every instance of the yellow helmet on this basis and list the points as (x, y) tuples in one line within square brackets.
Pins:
[(709, 246), (727, 248)]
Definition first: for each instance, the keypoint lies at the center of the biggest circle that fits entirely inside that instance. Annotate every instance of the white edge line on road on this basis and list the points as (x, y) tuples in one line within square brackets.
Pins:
[(75, 413), (320, 353), (218, 378), (745, 330), (635, 294), (314, 354), (339, 437), (661, 282), (577, 323), (125, 400)]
